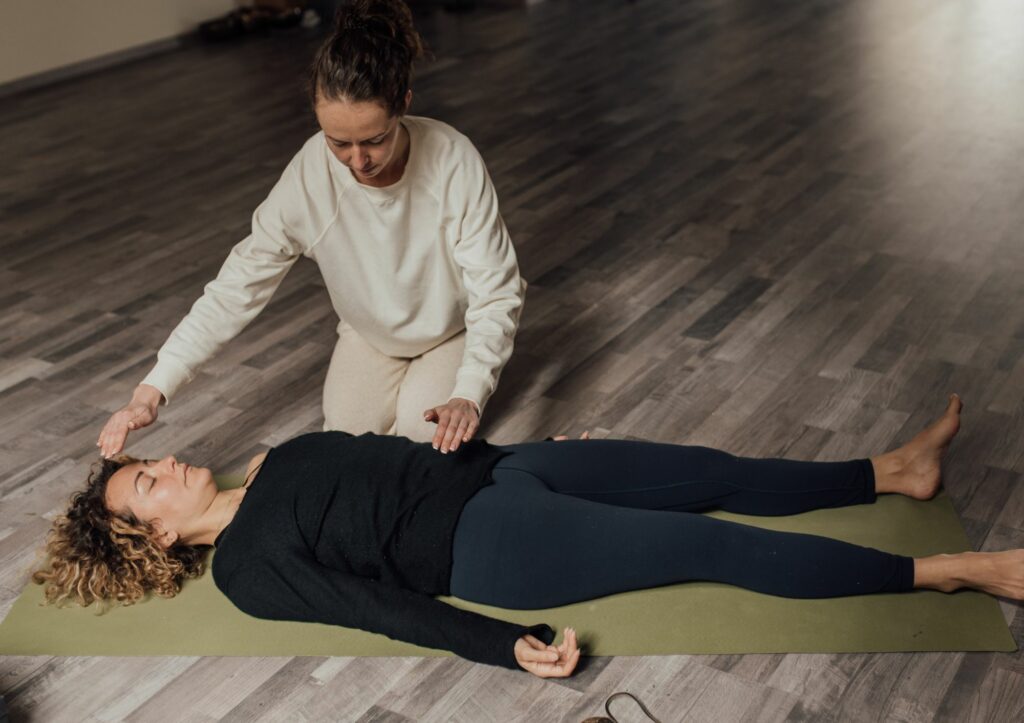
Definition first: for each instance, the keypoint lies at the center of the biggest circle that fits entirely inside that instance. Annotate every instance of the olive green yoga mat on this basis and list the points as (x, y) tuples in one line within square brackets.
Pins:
[(692, 617)]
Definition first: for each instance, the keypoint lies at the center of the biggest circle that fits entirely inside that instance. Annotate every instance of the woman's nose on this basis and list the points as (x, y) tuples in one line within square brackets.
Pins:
[(170, 462)]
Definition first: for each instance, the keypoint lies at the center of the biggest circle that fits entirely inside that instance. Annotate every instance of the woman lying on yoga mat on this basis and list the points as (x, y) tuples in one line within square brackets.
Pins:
[(363, 531)]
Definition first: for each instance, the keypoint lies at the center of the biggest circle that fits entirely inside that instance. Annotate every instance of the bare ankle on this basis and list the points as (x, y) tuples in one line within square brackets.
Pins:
[(945, 572), (887, 468)]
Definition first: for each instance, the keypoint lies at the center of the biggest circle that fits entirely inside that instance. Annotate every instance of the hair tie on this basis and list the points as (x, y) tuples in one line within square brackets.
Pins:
[(352, 21)]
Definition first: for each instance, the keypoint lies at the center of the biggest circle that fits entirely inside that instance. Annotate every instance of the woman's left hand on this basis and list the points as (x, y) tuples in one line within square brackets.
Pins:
[(547, 661), (457, 422)]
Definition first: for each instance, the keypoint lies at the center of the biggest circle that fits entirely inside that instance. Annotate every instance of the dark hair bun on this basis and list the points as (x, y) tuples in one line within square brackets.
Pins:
[(370, 55)]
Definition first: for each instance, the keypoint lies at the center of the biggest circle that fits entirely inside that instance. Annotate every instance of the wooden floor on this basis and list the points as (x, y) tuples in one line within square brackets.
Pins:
[(779, 228)]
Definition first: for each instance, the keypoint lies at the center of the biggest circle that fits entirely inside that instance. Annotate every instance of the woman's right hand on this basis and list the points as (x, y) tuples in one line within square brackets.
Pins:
[(140, 412), (548, 661)]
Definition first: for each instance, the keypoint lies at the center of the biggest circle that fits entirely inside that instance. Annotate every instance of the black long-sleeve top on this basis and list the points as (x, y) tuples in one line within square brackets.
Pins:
[(357, 531)]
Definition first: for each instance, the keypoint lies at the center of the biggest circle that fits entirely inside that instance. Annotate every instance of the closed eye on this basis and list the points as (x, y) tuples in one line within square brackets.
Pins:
[(369, 143)]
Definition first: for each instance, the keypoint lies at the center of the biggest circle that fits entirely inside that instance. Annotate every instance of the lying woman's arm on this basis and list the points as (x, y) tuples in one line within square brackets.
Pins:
[(300, 588)]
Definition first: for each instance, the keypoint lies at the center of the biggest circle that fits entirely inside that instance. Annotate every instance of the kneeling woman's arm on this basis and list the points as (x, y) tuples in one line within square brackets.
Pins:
[(304, 590)]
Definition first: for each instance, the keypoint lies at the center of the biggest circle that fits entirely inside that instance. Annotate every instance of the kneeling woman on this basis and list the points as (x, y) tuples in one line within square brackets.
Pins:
[(363, 531)]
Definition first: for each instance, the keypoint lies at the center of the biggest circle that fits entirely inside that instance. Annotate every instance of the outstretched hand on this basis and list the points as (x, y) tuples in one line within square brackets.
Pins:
[(140, 412), (548, 661), (457, 422)]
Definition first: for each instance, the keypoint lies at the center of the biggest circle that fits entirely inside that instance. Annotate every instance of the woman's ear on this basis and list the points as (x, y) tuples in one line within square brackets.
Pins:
[(164, 538), (408, 100)]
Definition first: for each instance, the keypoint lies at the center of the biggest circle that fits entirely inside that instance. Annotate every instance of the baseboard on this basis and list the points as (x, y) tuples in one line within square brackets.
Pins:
[(102, 62)]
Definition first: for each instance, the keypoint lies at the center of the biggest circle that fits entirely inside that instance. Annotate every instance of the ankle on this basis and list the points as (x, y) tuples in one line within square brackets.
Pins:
[(963, 569), (947, 572), (977, 570), (887, 468)]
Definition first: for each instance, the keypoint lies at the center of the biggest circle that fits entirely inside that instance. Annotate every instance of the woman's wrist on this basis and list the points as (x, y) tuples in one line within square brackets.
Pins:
[(148, 395), (476, 407)]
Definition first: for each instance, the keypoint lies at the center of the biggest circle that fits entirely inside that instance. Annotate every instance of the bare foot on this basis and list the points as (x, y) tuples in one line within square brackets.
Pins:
[(998, 573), (915, 469)]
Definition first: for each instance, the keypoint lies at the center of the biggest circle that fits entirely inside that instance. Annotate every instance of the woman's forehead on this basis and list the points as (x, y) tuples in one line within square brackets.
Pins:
[(359, 120), (120, 485)]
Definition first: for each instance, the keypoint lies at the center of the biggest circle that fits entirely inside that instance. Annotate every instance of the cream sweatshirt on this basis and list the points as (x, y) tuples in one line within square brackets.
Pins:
[(408, 266)]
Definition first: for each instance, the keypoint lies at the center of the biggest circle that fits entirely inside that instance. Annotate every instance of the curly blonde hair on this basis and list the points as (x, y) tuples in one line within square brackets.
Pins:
[(98, 555)]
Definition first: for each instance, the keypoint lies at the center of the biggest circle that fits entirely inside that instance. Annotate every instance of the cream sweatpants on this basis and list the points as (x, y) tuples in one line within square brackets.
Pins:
[(368, 391)]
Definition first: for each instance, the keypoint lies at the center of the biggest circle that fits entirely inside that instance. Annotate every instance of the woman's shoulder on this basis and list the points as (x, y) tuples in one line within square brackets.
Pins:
[(431, 125), (305, 196), (312, 444), (313, 158), (254, 463), (440, 137)]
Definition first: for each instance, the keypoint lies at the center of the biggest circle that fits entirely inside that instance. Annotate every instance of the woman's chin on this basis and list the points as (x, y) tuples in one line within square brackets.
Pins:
[(199, 477)]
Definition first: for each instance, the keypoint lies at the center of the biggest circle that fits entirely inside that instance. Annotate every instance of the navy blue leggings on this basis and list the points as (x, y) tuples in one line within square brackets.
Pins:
[(579, 519)]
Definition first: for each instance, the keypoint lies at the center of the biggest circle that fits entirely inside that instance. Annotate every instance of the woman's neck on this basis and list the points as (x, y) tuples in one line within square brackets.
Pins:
[(218, 515), (224, 506)]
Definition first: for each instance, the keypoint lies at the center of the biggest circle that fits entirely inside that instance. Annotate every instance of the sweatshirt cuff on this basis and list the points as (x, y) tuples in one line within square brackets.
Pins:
[(474, 388), (542, 632), (168, 376)]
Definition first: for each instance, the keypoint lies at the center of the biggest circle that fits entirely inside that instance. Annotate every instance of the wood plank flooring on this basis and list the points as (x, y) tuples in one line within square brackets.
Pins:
[(778, 228)]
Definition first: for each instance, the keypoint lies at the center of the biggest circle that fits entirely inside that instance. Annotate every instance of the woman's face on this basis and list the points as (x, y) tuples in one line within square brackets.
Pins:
[(167, 490), (361, 135)]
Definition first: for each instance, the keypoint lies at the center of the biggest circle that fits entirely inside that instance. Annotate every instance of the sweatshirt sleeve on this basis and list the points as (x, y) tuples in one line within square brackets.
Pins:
[(248, 278), (490, 273), (311, 592)]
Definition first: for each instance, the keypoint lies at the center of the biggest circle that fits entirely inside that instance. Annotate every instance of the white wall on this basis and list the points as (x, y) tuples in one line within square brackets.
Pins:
[(41, 35)]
